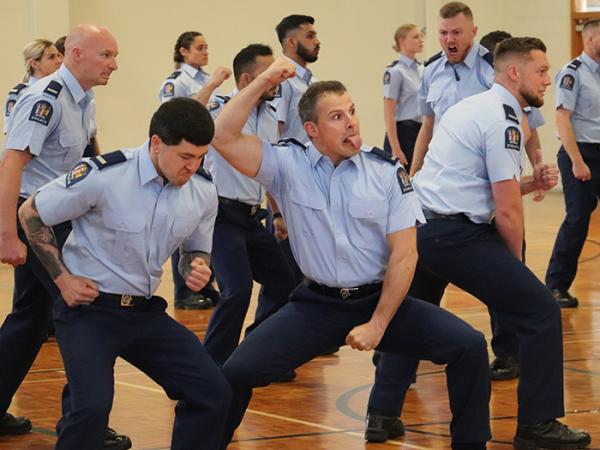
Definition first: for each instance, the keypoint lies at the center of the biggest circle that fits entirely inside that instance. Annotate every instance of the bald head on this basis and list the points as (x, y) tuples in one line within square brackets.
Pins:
[(90, 54)]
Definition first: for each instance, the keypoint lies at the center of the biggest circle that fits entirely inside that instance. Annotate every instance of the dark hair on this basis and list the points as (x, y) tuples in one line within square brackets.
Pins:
[(307, 108), (60, 44), (182, 118), (184, 41), (517, 46), (290, 23), (453, 9), (246, 57), (493, 38)]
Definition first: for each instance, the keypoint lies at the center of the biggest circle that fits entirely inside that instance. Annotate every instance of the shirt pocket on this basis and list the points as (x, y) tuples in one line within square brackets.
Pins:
[(438, 98), (369, 221), (308, 209), (72, 144), (127, 231)]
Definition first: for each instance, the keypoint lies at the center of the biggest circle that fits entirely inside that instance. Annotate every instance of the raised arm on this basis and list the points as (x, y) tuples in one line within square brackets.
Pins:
[(204, 94)]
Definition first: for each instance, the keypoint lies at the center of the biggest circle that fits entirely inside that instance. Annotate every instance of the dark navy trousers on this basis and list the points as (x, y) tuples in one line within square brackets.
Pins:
[(581, 199), (407, 132), (243, 251), (475, 258), (92, 337), (311, 323), (25, 329)]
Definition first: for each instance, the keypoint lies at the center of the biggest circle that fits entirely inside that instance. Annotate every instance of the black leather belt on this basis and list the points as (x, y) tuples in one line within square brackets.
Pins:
[(343, 293), (123, 300), (249, 210), (431, 215)]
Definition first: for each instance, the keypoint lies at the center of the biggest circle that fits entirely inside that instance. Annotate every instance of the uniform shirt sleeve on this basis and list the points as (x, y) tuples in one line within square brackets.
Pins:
[(34, 118), (503, 143), (269, 174), (424, 107), (170, 89), (392, 83), (201, 238), (283, 103), (535, 118), (404, 205), (58, 203), (567, 88)]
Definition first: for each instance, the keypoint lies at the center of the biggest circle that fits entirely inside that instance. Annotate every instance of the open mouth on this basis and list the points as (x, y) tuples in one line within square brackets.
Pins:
[(453, 51), (355, 141)]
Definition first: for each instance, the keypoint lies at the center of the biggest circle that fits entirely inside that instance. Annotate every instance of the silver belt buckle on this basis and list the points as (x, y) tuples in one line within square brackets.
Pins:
[(346, 292), (126, 300), (254, 209)]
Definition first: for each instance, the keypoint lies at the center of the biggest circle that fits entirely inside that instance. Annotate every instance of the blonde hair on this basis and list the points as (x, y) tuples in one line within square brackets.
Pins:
[(33, 51), (401, 33)]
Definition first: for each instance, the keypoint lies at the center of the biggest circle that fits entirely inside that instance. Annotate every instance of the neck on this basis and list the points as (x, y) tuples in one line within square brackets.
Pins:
[(297, 59), (335, 158), (514, 90), (79, 77), (590, 53), (408, 54)]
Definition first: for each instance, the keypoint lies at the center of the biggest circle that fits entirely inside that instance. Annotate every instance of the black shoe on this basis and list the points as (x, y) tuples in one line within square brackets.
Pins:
[(116, 441), (551, 434), (11, 425), (381, 428), (194, 301), (284, 377), (565, 299), (504, 368)]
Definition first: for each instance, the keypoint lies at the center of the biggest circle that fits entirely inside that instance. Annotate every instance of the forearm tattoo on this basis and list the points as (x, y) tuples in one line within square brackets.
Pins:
[(42, 241), (185, 260)]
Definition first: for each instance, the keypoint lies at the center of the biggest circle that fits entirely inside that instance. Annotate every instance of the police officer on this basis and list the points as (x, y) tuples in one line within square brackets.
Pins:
[(401, 81), (243, 248), (578, 125), (45, 140), (111, 266), (190, 55), (360, 207), (41, 59), (471, 175)]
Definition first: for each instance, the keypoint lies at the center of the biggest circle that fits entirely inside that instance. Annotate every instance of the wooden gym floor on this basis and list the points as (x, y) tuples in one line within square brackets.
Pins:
[(324, 407)]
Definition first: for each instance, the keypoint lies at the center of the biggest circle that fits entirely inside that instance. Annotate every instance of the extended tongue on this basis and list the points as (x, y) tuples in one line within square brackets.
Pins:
[(356, 141)]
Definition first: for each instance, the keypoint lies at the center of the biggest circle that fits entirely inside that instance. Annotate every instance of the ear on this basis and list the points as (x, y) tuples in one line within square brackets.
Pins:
[(245, 80), (311, 129), (512, 71), (475, 31), (183, 51), (155, 143)]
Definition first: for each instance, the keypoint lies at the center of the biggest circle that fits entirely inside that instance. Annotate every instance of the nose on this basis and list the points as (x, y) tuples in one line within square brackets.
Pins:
[(113, 64)]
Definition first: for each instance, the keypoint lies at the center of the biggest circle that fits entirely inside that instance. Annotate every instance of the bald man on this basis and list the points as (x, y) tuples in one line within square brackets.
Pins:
[(49, 132)]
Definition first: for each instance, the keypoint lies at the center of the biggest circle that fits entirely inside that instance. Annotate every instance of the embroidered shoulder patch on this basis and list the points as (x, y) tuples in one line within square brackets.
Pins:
[(512, 138), (9, 107), (213, 106), (169, 90), (387, 77), (78, 173), (567, 82), (41, 112), (404, 180)]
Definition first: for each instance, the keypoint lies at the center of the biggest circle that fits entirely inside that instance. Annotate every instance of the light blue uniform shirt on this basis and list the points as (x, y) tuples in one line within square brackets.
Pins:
[(440, 89), (55, 129), (401, 83), (479, 141), (12, 98), (230, 183), (534, 117), (184, 82), (338, 218), (127, 223), (291, 90), (578, 90)]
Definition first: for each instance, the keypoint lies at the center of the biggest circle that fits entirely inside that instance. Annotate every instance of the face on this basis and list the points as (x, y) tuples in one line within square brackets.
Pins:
[(307, 43), (197, 55), (413, 42), (534, 78), (48, 63), (176, 163), (456, 37), (260, 65), (98, 59), (337, 132), (592, 46)]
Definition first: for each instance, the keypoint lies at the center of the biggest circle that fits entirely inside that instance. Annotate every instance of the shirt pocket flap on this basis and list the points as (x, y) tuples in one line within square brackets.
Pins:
[(69, 139), (367, 209), (308, 198), (121, 222)]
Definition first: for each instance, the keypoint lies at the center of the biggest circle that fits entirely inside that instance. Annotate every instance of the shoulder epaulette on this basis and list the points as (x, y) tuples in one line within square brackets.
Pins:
[(109, 159), (574, 64), (17, 89), (288, 141), (272, 107), (225, 98), (489, 57), (174, 75), (382, 154), (53, 88), (510, 113), (204, 173), (433, 58), (392, 64)]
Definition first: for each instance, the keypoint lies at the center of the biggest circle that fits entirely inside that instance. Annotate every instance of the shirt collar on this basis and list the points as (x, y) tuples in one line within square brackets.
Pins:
[(192, 71), (589, 61), (508, 98), (472, 55), (145, 165), (32, 80), (408, 62), (73, 85), (314, 155), (301, 72)]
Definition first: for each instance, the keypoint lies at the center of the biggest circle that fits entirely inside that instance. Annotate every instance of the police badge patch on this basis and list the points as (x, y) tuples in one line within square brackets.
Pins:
[(404, 180), (41, 112), (9, 107), (512, 138), (387, 77), (78, 173), (169, 90), (567, 82)]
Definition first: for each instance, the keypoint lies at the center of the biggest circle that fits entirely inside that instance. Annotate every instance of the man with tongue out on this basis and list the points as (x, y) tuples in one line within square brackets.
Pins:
[(359, 209)]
